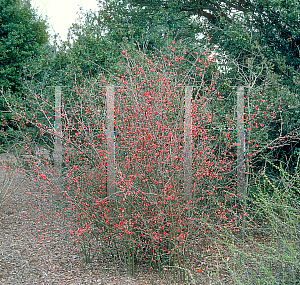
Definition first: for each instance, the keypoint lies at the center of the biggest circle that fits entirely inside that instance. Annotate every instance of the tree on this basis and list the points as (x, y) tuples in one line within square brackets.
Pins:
[(243, 34), (249, 33), (97, 39), (275, 23), (22, 33), (149, 28)]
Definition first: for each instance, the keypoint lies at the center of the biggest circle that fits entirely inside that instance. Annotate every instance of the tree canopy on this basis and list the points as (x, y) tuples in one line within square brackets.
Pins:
[(274, 23), (258, 42), (22, 33)]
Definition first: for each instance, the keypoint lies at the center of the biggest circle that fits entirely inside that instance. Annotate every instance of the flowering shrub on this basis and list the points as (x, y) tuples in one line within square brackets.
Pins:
[(147, 219)]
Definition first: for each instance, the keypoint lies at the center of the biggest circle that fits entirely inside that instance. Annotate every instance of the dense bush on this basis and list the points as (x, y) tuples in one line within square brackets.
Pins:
[(148, 220)]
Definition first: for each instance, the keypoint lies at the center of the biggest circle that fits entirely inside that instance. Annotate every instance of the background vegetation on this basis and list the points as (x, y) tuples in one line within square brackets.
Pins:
[(158, 46)]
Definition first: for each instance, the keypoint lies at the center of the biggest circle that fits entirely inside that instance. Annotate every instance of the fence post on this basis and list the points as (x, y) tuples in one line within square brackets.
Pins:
[(110, 100), (241, 186), (187, 167), (58, 134)]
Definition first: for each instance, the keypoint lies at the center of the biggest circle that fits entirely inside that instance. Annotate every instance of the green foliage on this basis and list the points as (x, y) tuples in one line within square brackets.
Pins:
[(149, 28), (267, 250), (22, 33), (275, 212), (274, 23), (88, 51), (96, 41), (254, 44)]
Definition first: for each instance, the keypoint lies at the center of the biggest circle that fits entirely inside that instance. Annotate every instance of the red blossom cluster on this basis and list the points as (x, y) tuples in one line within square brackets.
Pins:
[(148, 216), (148, 219)]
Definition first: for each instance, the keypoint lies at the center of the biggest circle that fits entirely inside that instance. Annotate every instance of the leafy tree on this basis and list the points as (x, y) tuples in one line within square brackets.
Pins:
[(22, 34), (149, 28), (249, 33), (274, 23), (243, 34), (96, 40)]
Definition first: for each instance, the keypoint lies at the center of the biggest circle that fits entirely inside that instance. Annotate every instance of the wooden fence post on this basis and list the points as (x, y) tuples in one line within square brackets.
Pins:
[(57, 155), (240, 170), (187, 167), (110, 100)]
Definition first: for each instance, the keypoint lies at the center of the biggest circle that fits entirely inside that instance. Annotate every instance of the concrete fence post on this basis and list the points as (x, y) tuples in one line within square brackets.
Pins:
[(188, 158), (110, 100), (57, 155), (240, 170)]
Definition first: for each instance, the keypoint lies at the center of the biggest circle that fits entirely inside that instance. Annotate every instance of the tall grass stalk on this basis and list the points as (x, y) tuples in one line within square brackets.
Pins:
[(270, 251)]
